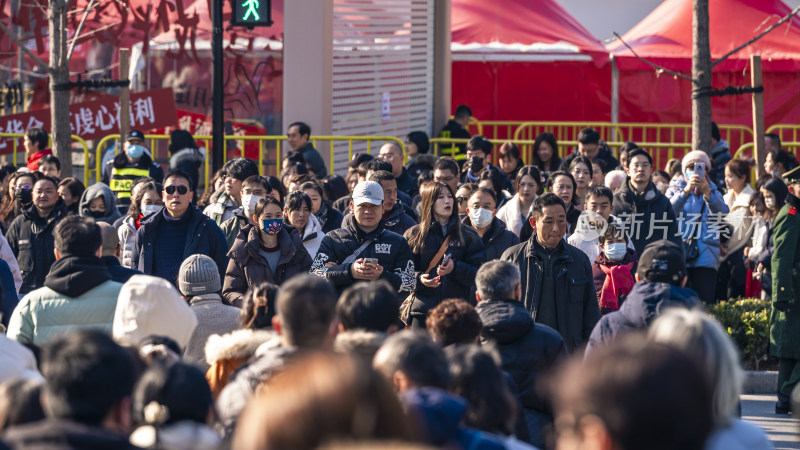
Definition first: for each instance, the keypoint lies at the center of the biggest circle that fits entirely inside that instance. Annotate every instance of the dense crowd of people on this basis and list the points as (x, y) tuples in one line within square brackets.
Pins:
[(560, 305)]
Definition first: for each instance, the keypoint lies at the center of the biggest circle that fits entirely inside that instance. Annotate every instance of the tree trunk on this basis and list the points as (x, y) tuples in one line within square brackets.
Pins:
[(59, 99), (701, 71)]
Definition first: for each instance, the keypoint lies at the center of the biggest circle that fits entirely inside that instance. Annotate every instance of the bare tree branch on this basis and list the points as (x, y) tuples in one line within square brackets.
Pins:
[(78, 30), (97, 30), (775, 25), (33, 56), (654, 65)]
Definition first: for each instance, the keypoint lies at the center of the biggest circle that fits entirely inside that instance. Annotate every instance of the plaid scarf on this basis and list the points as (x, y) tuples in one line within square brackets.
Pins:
[(221, 202), (322, 214)]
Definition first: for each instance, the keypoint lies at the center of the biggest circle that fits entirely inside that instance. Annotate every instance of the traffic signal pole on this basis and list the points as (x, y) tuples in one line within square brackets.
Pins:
[(218, 94)]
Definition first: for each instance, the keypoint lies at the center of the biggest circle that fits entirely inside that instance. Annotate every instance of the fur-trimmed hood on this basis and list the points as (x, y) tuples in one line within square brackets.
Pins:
[(360, 342), (236, 345)]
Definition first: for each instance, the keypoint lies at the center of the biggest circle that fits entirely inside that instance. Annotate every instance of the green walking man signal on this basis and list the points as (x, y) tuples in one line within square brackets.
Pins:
[(251, 13)]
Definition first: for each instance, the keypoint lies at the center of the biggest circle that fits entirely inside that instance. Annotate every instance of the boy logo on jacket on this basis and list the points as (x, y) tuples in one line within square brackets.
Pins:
[(385, 249)]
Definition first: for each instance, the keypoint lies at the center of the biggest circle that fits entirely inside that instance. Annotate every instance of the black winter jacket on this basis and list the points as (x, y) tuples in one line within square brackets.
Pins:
[(497, 238), (577, 310), (332, 218), (390, 249), (467, 257), (645, 210), (644, 303), (397, 222), (31, 239), (526, 349), (204, 238)]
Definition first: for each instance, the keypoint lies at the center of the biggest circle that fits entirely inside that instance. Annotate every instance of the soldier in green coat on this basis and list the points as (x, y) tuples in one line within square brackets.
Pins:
[(784, 332)]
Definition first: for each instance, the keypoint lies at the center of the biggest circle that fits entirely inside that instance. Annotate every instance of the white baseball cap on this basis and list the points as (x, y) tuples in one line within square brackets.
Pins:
[(368, 192)]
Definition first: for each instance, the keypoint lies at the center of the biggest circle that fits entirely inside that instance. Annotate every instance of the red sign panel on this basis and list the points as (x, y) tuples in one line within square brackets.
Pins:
[(96, 119)]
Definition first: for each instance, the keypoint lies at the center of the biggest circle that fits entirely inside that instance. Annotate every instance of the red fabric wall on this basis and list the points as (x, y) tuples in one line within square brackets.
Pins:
[(545, 91)]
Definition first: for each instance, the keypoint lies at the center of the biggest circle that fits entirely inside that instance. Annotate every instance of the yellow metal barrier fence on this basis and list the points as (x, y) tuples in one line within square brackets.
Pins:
[(107, 141), (448, 146), (74, 138)]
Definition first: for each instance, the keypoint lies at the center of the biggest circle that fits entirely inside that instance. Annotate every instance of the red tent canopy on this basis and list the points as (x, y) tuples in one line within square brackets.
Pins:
[(518, 23), (666, 34), (665, 37), (527, 60)]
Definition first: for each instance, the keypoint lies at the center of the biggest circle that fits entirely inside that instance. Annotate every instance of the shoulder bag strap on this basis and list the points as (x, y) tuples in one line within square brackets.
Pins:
[(439, 254), (350, 259)]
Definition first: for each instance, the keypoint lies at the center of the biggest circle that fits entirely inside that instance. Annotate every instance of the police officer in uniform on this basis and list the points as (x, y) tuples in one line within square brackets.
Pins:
[(133, 162), (784, 329)]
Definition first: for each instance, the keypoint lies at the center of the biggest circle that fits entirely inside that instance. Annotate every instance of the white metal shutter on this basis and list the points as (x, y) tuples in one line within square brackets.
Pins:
[(382, 50)]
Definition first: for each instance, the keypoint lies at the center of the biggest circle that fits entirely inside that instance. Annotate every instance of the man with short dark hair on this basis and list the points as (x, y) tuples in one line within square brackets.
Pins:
[(640, 208), (527, 349), (167, 238), (394, 217), (110, 255), (50, 166), (254, 188), (660, 281), (392, 152), (225, 201), (417, 368), (297, 136), (772, 142), (35, 141), (367, 314), (86, 396), (365, 250), (78, 292), (589, 145), (481, 216), (30, 235), (479, 149), (456, 128), (558, 290), (305, 320)]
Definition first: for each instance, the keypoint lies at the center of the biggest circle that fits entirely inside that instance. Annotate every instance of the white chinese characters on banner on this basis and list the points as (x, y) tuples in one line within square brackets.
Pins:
[(16, 126)]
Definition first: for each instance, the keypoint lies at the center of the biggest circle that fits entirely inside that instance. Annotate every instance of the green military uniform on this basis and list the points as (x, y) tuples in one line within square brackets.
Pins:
[(785, 316)]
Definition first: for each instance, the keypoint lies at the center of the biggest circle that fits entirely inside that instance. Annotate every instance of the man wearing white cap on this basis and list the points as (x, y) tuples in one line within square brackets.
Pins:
[(364, 250)]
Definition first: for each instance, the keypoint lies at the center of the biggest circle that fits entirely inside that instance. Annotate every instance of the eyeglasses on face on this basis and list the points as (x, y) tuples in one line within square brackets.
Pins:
[(182, 190)]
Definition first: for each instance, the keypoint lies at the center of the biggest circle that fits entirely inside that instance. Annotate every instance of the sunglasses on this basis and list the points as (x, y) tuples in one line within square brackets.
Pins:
[(461, 200), (182, 190)]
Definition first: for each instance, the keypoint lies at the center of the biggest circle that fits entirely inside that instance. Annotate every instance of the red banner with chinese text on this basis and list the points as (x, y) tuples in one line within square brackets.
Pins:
[(96, 119)]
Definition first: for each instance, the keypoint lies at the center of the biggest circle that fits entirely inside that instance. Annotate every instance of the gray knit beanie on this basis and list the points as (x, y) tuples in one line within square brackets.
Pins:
[(198, 275)]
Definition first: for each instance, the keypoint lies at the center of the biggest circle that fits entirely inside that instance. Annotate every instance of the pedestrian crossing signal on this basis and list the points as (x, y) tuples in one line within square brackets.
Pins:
[(251, 13)]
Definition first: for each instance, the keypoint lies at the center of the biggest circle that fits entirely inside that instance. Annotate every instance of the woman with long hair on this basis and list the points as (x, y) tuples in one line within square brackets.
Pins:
[(446, 253), (545, 153), (582, 171)]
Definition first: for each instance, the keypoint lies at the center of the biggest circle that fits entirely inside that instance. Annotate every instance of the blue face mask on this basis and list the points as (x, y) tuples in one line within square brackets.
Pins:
[(689, 173), (271, 226), (135, 151)]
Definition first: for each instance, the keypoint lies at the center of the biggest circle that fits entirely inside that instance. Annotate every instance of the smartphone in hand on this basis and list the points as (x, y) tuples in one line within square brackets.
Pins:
[(372, 263), (700, 169)]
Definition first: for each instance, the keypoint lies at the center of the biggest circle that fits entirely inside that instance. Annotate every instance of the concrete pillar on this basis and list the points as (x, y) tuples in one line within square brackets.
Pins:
[(308, 67), (443, 67)]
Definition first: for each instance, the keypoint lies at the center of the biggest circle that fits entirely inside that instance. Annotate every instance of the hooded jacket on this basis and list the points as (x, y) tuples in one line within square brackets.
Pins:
[(189, 160), (312, 236), (270, 357), (690, 206), (390, 249), (151, 306), (527, 349), (226, 353), (439, 415), (497, 238), (78, 293), (204, 238), (650, 208), (213, 317), (467, 256), (644, 303), (248, 268), (31, 239), (110, 214), (397, 221)]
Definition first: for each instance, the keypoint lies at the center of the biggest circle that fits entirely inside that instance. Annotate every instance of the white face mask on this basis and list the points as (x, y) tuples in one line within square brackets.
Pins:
[(249, 202), (150, 209), (481, 217), (769, 202), (615, 251)]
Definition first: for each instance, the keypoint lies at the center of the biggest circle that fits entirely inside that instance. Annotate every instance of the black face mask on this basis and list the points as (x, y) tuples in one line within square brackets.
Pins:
[(475, 163), (97, 214), (23, 196)]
